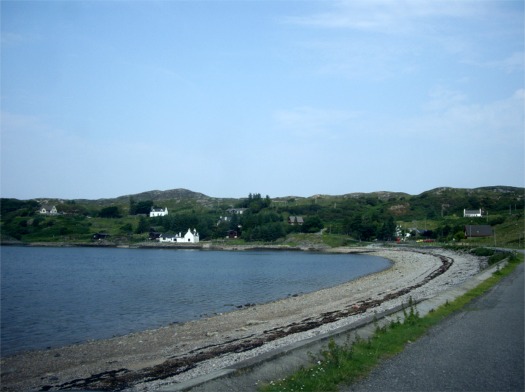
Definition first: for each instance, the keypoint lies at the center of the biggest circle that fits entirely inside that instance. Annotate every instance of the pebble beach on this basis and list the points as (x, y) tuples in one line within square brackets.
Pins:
[(147, 360)]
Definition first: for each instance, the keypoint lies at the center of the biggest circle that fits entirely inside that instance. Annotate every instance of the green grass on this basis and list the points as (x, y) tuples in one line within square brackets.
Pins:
[(352, 361), (74, 228), (336, 240), (330, 240)]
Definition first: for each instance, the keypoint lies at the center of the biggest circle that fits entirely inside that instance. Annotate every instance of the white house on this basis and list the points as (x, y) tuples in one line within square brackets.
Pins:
[(190, 236), (236, 211), (158, 212), (48, 210), (223, 219), (472, 213)]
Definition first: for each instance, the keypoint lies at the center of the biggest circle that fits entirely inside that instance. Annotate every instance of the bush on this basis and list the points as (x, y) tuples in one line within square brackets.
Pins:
[(312, 224), (109, 212), (497, 221), (482, 252), (497, 257)]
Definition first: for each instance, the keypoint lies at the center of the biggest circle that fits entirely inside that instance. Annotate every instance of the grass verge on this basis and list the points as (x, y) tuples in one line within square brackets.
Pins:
[(351, 361)]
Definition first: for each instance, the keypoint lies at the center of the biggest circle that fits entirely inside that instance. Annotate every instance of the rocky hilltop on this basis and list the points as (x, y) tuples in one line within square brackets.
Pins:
[(183, 195)]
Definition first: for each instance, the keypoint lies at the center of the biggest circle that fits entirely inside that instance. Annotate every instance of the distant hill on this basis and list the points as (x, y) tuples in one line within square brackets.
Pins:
[(173, 195), (381, 195), (434, 203), (444, 194)]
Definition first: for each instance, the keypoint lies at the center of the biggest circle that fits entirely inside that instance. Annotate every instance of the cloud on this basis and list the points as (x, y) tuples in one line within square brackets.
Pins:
[(513, 63), (449, 117), (382, 40), (384, 15), (442, 98), (309, 122)]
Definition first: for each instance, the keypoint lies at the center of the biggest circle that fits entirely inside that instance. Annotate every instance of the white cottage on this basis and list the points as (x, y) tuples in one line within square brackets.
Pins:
[(472, 213), (48, 210), (190, 236), (158, 212)]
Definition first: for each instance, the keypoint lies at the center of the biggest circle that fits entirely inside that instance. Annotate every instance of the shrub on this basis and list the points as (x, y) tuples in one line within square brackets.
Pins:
[(498, 256), (482, 252)]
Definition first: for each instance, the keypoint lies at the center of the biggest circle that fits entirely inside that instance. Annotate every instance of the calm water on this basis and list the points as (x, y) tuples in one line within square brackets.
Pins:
[(52, 297)]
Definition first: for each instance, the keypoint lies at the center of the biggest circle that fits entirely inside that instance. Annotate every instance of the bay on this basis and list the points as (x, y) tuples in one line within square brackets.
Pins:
[(51, 297)]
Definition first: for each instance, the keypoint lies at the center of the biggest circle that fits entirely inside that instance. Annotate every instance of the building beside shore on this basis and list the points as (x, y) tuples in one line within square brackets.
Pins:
[(190, 236), (474, 231)]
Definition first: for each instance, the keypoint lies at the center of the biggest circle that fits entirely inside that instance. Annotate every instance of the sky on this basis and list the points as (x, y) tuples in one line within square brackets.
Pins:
[(101, 99)]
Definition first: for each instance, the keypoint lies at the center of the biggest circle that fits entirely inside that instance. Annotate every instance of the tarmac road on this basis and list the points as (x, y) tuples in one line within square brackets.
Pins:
[(478, 349)]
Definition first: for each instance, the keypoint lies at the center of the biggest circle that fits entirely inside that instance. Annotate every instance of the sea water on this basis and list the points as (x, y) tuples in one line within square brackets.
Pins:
[(51, 297)]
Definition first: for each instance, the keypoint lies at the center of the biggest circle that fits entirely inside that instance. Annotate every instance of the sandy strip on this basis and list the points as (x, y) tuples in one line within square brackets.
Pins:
[(197, 347)]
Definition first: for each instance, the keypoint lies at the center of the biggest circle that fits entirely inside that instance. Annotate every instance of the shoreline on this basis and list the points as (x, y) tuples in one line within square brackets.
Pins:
[(203, 245), (185, 350)]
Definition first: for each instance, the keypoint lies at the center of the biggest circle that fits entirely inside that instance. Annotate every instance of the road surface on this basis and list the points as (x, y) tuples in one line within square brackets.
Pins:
[(478, 349)]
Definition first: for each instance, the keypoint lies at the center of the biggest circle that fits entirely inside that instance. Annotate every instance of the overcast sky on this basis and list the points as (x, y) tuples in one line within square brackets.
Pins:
[(287, 97)]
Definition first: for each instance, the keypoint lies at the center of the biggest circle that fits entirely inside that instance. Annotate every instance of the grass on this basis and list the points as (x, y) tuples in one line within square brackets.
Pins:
[(330, 240), (76, 228), (352, 361)]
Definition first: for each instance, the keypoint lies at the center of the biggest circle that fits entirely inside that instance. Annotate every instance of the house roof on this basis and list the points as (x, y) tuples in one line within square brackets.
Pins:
[(478, 211), (478, 230), (170, 235)]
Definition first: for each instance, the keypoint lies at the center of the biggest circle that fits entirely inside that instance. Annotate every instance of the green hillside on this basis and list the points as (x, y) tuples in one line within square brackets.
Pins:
[(434, 215)]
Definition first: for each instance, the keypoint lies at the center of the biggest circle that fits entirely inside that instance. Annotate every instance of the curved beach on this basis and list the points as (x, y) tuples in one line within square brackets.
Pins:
[(142, 361)]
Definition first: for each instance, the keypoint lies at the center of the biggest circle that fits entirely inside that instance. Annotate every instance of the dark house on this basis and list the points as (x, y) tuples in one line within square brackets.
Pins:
[(232, 234), (100, 236), (154, 235), (473, 231), (295, 220)]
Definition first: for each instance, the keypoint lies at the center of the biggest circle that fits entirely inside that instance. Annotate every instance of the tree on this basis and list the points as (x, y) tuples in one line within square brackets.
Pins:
[(363, 229), (126, 229), (266, 232), (142, 207), (312, 224), (387, 230), (109, 212), (355, 225), (143, 226), (255, 202), (132, 206)]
